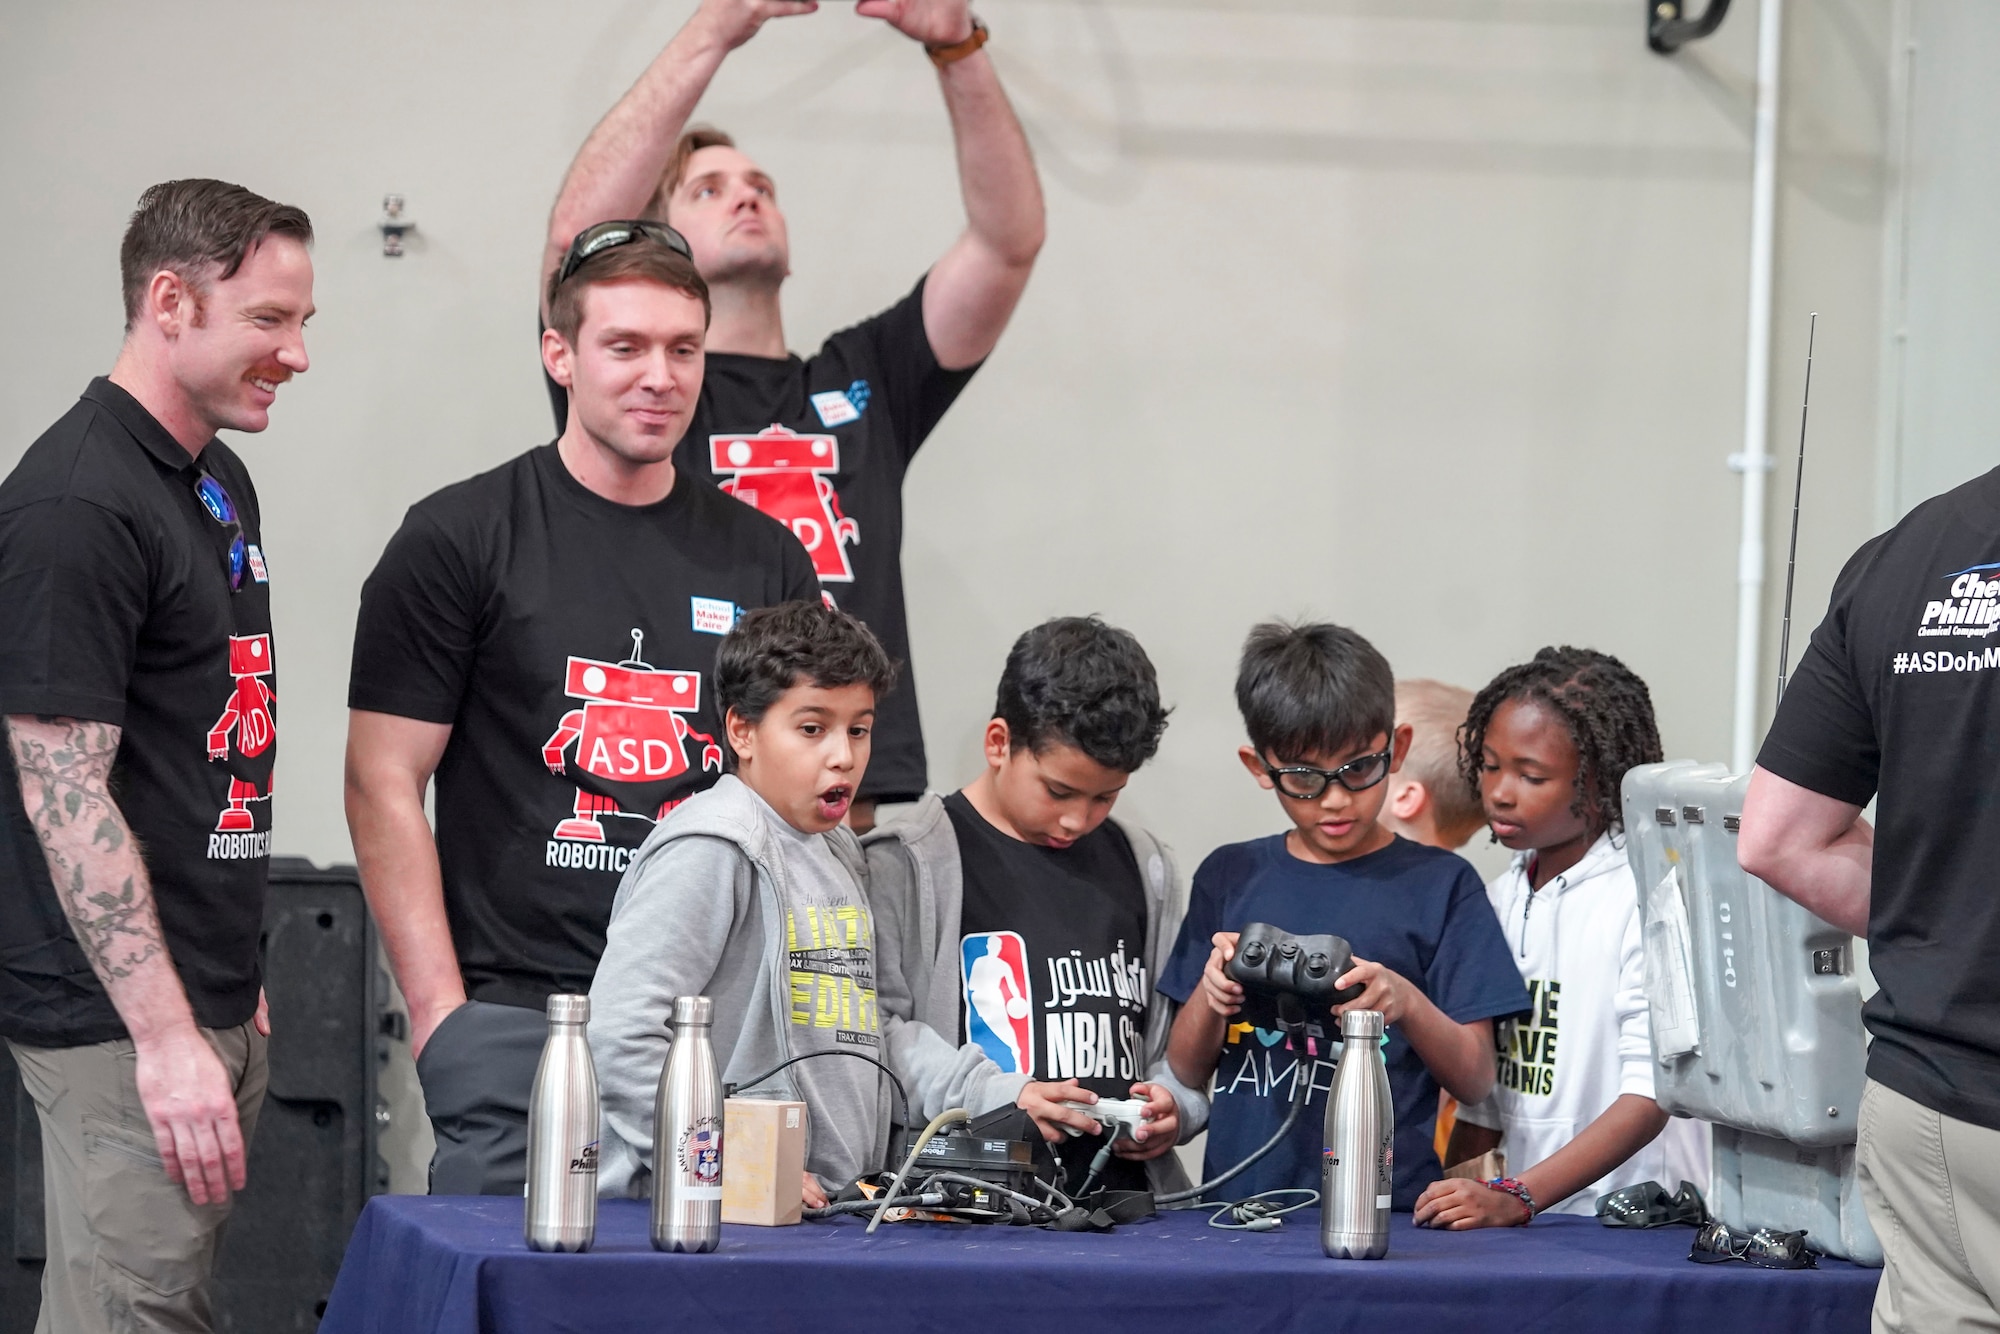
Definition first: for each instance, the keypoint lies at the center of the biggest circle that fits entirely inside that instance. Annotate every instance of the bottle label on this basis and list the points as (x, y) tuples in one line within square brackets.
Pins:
[(584, 1161), (700, 1154)]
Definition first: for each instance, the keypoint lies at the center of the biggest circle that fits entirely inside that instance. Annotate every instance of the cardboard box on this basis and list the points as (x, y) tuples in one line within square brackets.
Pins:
[(763, 1161), (1486, 1167)]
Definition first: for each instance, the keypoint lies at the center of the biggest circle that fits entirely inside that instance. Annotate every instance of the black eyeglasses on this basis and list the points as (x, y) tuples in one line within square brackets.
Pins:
[(1305, 783), (214, 498), (604, 236)]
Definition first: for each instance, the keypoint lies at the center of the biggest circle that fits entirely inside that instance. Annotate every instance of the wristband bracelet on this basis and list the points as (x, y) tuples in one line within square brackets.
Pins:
[(1510, 1186), (945, 55)]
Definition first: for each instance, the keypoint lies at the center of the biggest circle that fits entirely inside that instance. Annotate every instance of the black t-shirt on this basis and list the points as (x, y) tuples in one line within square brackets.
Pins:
[(822, 444), (1898, 698), (115, 598), (570, 642), (1052, 965)]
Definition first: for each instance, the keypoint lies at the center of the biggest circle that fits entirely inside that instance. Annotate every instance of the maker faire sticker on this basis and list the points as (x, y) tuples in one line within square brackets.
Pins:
[(713, 616), (835, 408)]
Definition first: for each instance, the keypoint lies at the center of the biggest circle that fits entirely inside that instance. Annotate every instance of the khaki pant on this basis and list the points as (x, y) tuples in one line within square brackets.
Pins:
[(127, 1250), (1932, 1187)]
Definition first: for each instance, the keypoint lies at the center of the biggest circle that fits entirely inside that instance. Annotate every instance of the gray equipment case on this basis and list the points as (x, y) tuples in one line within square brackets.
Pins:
[(1756, 1013)]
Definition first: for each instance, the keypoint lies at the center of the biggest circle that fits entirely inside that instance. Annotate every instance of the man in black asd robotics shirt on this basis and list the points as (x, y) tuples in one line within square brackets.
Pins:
[(821, 443), (138, 684), (1019, 930), (541, 639)]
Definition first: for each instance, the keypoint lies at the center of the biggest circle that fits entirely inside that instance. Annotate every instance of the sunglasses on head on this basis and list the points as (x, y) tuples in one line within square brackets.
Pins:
[(604, 236), (214, 498), (1306, 783)]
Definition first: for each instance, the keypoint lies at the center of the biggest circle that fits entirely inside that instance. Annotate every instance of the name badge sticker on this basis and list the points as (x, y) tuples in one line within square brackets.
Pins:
[(713, 616), (835, 408), (258, 570)]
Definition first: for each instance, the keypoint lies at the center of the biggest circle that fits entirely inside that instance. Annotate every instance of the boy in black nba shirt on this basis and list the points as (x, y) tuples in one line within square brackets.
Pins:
[(1020, 930)]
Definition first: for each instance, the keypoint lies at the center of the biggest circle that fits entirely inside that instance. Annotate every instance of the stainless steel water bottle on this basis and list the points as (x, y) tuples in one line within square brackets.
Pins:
[(687, 1136), (1358, 1166), (561, 1214)]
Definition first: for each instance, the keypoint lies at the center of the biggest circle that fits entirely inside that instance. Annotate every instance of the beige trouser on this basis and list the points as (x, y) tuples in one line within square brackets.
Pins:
[(127, 1251), (1932, 1187)]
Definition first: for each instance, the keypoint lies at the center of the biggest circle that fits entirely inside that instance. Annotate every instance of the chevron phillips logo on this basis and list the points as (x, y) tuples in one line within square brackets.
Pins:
[(1971, 607)]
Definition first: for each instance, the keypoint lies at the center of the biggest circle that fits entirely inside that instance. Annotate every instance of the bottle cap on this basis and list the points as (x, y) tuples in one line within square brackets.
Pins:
[(569, 1009), (1361, 1024), (693, 1010)]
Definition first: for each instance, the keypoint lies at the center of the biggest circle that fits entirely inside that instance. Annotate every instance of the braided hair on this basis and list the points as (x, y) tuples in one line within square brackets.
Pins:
[(1607, 708)]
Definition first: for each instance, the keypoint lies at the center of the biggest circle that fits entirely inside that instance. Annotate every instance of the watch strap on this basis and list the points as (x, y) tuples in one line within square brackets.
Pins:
[(945, 55)]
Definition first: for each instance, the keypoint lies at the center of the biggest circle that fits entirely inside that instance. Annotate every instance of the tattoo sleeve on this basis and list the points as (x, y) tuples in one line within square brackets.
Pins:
[(64, 765)]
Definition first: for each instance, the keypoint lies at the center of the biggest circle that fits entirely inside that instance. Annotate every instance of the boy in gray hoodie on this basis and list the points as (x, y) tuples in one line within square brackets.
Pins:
[(1022, 931), (750, 893)]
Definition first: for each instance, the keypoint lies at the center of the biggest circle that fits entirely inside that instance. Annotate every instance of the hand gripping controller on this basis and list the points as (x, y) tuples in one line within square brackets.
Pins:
[(1278, 964), (1116, 1115)]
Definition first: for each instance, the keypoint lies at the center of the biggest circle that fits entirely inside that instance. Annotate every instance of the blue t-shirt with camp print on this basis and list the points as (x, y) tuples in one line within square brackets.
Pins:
[(1417, 910)]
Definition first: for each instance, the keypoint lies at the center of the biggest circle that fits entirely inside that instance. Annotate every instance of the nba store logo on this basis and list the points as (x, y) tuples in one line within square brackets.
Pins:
[(999, 999)]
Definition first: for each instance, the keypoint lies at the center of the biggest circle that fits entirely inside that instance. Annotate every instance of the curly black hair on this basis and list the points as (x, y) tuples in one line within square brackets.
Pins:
[(1075, 681), (775, 648), (1607, 708)]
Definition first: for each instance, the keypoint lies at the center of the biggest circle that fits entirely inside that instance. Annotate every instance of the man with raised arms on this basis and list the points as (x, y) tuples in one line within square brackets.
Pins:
[(821, 442)]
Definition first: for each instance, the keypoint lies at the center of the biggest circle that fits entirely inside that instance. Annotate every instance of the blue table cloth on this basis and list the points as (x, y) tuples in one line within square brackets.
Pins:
[(457, 1265)]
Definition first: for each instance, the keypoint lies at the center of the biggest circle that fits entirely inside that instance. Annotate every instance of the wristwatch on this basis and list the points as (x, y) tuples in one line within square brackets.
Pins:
[(944, 55)]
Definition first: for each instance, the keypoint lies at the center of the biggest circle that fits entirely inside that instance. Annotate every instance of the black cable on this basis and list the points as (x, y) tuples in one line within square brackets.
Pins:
[(927, 1200), (731, 1090), (1291, 1018), (1195, 1193)]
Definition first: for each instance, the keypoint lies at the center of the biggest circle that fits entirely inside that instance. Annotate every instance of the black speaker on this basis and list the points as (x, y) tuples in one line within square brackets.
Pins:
[(313, 1161)]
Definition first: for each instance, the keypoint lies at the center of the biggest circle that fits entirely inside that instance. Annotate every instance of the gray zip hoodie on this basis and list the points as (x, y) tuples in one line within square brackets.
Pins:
[(703, 910), (916, 888)]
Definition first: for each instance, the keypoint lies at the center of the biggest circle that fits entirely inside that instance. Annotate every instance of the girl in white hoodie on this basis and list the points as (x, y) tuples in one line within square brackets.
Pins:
[(1546, 744)]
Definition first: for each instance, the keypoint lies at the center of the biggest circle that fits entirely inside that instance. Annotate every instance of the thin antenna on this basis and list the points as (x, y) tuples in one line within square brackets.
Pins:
[(1798, 485)]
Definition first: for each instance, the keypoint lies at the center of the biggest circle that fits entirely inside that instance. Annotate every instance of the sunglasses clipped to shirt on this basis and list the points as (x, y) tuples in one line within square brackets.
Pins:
[(214, 498), (1303, 782), (603, 236)]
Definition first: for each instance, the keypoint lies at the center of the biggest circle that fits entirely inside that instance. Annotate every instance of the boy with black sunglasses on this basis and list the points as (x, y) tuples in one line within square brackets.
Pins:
[(1319, 704)]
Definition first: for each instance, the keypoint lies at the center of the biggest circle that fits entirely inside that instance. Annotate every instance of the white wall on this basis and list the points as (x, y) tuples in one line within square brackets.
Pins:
[(1942, 331), (1423, 315)]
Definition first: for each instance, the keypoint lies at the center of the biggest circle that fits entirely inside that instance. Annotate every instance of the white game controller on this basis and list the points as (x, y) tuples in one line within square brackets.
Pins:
[(1116, 1115)]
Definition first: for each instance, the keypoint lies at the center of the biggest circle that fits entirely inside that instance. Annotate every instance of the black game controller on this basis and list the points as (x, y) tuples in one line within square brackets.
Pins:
[(1277, 963)]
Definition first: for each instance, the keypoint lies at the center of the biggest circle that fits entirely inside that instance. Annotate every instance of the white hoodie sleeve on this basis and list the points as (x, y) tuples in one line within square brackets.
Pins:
[(1635, 1021)]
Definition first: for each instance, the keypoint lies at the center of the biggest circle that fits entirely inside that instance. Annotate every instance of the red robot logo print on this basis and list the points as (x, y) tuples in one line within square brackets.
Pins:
[(625, 749), (790, 478), (245, 741)]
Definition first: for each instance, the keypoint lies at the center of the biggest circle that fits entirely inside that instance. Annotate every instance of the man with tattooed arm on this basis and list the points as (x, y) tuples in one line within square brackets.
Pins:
[(140, 697)]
